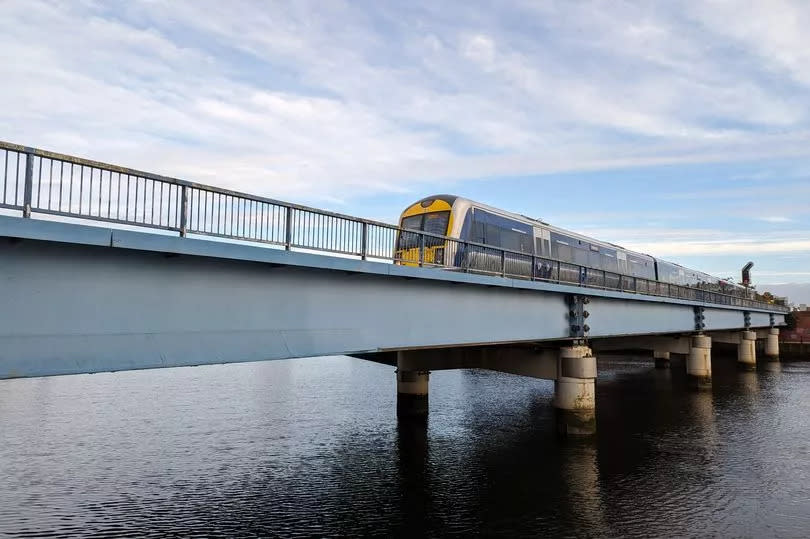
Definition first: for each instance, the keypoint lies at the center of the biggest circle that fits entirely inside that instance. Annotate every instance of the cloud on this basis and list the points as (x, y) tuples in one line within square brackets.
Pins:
[(680, 242), (719, 248), (479, 48), (775, 219), (336, 101), (784, 273), (774, 31)]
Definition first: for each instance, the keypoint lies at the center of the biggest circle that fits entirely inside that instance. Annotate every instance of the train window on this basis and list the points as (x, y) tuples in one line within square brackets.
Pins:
[(609, 262), (413, 222), (640, 267), (433, 223), (478, 227), (477, 232), (668, 272), (510, 240), (581, 256), (498, 231), (436, 223), (562, 251), (594, 260), (516, 241), (492, 235), (525, 242)]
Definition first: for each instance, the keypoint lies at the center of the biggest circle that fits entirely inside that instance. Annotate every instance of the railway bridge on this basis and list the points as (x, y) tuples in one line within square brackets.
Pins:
[(104, 268)]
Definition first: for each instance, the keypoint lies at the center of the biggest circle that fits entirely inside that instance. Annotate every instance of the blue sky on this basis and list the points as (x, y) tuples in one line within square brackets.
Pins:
[(676, 128)]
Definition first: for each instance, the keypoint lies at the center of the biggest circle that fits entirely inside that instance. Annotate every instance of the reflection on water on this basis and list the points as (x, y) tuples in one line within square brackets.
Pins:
[(772, 366), (313, 447)]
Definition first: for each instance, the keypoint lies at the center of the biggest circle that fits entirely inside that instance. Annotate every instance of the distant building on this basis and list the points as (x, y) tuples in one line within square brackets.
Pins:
[(802, 307), (802, 331)]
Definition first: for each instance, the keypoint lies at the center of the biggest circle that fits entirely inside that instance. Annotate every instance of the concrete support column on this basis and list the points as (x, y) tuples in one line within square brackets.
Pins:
[(747, 350), (575, 391), (772, 344), (699, 360), (412, 386), (661, 359), (412, 393)]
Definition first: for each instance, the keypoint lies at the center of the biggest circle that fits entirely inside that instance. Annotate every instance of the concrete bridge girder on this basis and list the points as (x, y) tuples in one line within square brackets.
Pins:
[(661, 344), (522, 361), (728, 337), (608, 318), (762, 333)]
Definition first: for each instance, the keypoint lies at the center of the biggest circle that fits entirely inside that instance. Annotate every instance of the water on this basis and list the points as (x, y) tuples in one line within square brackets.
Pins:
[(312, 448)]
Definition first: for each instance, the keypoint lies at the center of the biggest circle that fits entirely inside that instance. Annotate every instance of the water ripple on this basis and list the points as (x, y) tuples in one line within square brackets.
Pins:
[(312, 448)]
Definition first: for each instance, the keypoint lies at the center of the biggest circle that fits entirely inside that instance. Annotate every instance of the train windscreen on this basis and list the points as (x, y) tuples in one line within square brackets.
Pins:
[(432, 223)]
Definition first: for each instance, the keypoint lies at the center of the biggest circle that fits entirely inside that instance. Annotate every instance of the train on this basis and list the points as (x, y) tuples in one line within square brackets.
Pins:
[(468, 235)]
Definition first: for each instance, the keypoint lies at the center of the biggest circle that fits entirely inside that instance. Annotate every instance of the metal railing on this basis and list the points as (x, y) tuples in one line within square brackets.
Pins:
[(35, 180)]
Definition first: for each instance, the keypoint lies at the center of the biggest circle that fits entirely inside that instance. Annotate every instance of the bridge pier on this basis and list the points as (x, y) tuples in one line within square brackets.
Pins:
[(575, 391), (661, 358), (747, 350), (412, 388), (699, 360), (772, 345), (412, 393)]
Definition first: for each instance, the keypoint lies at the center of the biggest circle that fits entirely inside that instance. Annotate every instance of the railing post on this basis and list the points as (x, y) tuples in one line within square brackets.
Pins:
[(503, 263), (29, 184), (288, 229), (558, 272), (534, 265), (364, 241), (466, 258), (421, 249), (183, 211)]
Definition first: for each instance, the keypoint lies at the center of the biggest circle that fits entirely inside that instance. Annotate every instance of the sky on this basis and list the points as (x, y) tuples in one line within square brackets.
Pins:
[(681, 129)]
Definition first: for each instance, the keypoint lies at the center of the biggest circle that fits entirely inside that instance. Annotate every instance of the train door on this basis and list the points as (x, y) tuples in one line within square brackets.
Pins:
[(622, 259), (542, 242), (546, 242)]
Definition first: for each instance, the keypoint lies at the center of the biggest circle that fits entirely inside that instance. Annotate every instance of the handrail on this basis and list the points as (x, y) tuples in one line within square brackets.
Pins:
[(37, 152), (40, 181)]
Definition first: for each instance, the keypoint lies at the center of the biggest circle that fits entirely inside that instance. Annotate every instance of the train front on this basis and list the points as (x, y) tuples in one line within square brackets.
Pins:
[(432, 215)]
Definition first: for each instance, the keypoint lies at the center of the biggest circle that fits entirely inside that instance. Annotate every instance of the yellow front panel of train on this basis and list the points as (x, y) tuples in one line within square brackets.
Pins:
[(433, 216)]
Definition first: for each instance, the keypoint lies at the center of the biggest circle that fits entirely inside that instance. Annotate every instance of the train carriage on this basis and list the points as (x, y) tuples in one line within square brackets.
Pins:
[(501, 242)]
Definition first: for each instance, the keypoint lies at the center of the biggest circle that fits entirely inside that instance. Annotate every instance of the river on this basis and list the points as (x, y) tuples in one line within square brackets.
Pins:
[(312, 447)]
